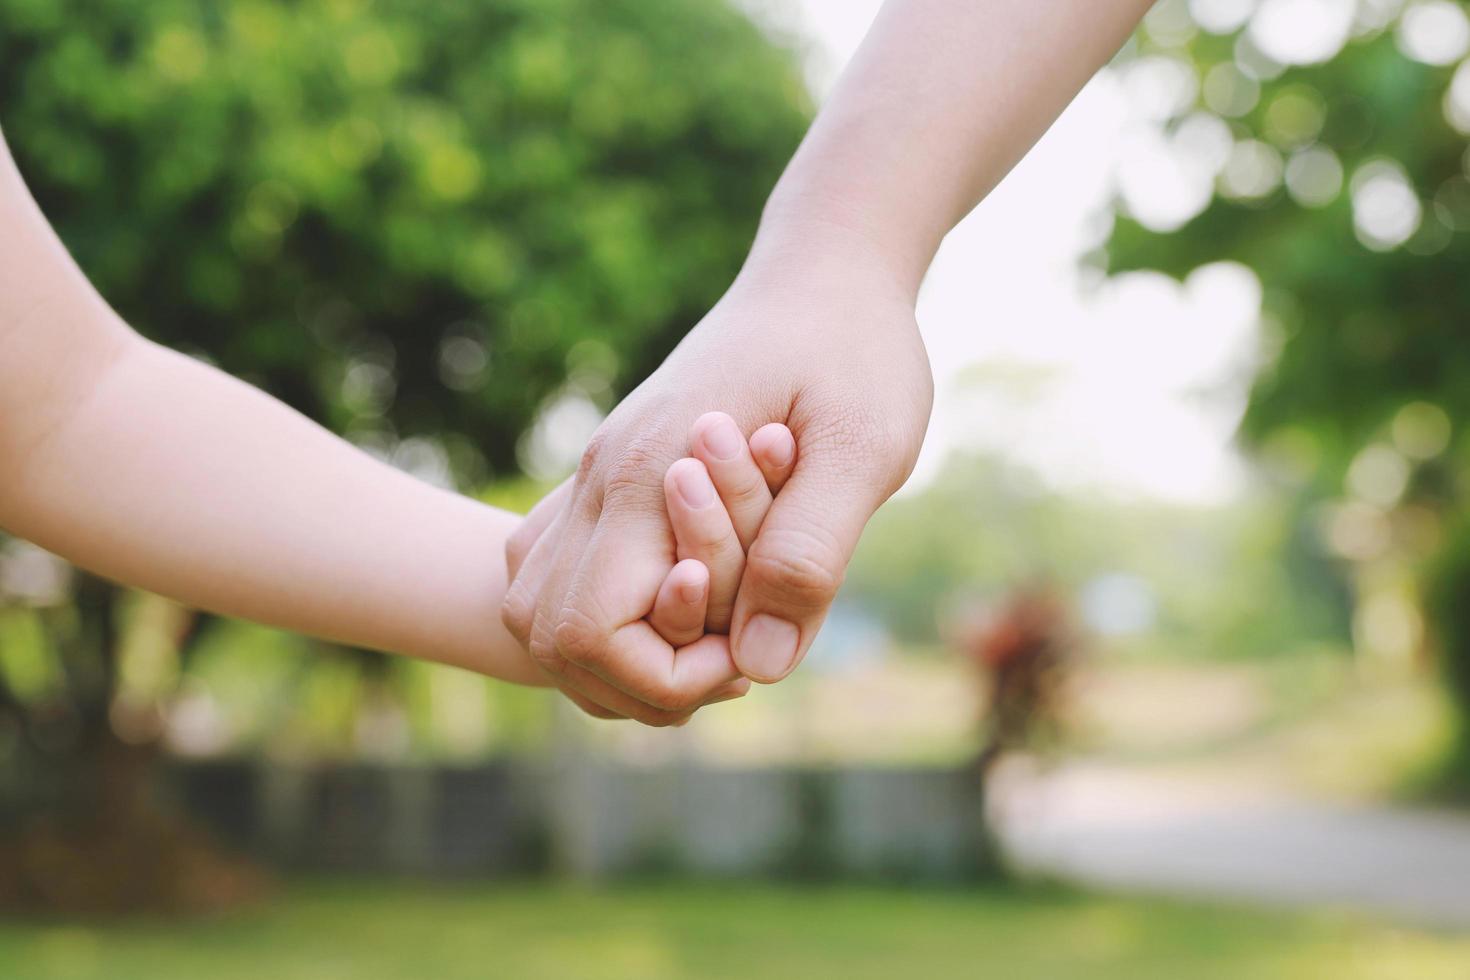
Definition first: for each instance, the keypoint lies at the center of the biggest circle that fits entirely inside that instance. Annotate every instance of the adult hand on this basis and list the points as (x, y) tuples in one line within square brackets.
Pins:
[(817, 333), (937, 105)]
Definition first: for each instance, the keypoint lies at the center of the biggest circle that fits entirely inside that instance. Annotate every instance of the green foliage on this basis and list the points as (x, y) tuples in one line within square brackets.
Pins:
[(1361, 330), (404, 219), (1365, 330), (1232, 582), (415, 222)]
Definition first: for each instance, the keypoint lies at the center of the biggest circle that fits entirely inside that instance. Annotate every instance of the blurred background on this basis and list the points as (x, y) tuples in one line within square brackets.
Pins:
[(1160, 662)]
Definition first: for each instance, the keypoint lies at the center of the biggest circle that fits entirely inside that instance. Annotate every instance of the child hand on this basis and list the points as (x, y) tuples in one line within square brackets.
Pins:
[(717, 500)]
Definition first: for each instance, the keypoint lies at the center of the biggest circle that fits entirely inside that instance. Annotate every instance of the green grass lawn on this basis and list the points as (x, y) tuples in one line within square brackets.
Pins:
[(366, 930)]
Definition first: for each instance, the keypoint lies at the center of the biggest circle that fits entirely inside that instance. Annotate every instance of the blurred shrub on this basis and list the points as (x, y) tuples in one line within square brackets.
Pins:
[(405, 219), (1449, 605)]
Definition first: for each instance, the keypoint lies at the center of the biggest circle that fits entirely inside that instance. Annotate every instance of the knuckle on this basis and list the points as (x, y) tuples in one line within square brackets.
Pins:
[(516, 612), (548, 659), (580, 638), (745, 487), (592, 455), (636, 469), (712, 542), (679, 628), (624, 461), (798, 568), (543, 650)]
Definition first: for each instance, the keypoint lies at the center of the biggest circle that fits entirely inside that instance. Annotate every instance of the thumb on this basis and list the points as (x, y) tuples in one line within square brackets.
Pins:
[(797, 561)]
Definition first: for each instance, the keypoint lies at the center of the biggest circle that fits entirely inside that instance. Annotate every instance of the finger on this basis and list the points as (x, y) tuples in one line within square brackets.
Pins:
[(590, 631), (533, 526), (614, 549), (546, 581), (528, 577), (702, 530), (718, 443), (601, 627), (596, 619), (600, 700), (586, 690), (795, 566), (774, 449), (637, 710), (679, 611), (737, 688), (529, 553)]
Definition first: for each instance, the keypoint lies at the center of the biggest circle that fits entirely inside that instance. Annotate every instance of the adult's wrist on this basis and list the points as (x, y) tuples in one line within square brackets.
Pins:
[(806, 232)]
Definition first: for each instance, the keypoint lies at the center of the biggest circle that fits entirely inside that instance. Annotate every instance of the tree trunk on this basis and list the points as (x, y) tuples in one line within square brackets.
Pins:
[(85, 832)]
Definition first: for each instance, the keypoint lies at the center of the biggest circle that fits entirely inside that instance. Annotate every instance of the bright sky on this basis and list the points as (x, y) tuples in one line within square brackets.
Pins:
[(1132, 387)]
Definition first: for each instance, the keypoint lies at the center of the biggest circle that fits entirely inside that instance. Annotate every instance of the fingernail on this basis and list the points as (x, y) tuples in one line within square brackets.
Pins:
[(767, 648), (723, 439), (726, 695), (691, 592), (694, 486), (782, 452)]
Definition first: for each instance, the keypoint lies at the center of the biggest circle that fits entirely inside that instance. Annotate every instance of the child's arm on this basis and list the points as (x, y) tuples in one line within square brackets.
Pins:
[(158, 471)]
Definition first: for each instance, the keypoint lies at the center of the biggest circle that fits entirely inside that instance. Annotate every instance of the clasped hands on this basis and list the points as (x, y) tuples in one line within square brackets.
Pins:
[(707, 530)]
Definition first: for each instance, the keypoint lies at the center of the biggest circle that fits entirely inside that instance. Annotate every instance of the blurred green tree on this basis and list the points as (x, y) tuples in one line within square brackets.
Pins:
[(1228, 582), (416, 223), (1449, 583), (1335, 166)]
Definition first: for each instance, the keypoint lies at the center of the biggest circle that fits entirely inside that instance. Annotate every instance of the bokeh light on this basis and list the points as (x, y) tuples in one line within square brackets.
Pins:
[(1253, 171), (1314, 176), (1229, 91), (1422, 431), (1457, 103), (1378, 475), (1221, 16), (1302, 32), (1436, 32), (1386, 211)]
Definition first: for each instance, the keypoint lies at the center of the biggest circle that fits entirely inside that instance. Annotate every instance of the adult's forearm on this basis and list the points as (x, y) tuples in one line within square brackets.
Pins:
[(939, 103)]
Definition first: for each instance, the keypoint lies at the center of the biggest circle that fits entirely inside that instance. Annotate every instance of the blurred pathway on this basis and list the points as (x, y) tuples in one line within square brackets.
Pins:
[(1203, 837)]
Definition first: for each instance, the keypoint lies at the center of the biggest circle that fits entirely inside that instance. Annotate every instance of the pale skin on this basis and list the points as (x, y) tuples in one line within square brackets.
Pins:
[(817, 332), (158, 471)]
